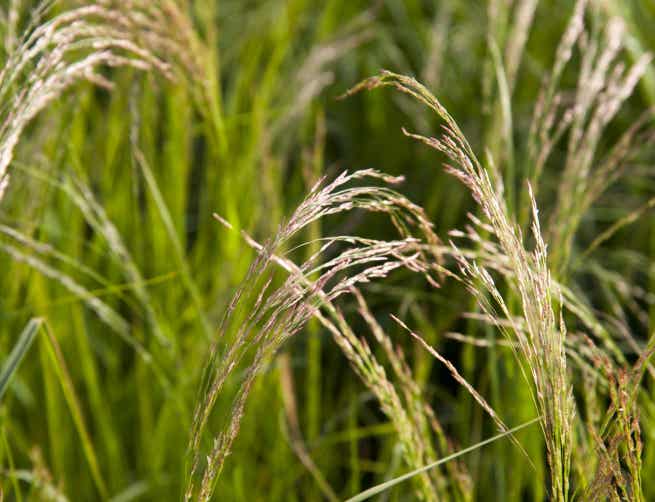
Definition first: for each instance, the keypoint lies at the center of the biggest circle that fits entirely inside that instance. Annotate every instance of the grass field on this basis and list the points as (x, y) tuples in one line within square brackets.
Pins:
[(337, 250)]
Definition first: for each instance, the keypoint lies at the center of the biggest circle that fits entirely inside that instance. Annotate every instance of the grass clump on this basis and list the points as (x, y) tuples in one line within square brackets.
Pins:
[(167, 332)]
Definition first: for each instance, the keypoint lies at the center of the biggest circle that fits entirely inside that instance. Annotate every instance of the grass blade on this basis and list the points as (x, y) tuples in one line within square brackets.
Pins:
[(18, 352), (75, 407), (392, 482)]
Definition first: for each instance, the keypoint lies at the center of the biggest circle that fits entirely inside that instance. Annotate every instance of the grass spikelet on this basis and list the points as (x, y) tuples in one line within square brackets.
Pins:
[(541, 348), (272, 315), (71, 47)]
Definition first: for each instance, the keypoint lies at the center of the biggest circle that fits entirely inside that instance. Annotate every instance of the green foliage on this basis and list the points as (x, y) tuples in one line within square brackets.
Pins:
[(364, 344)]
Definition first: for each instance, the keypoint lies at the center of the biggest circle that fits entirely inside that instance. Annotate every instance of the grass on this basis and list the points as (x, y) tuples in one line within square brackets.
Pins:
[(226, 276)]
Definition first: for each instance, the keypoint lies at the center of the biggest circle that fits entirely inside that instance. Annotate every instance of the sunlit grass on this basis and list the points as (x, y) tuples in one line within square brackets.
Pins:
[(220, 281)]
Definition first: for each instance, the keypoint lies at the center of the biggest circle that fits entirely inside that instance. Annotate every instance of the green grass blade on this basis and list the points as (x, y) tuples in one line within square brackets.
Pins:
[(18, 352), (178, 249), (392, 482), (75, 407)]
